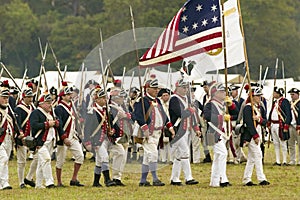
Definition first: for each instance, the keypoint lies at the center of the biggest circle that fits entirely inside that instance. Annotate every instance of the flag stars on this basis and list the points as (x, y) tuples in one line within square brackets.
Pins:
[(214, 19), (183, 9), (184, 18), (195, 26), (199, 8), (185, 29), (214, 8), (204, 22)]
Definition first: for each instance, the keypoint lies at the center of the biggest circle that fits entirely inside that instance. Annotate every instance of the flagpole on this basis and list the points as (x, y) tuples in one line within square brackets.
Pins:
[(137, 60), (246, 59), (225, 63)]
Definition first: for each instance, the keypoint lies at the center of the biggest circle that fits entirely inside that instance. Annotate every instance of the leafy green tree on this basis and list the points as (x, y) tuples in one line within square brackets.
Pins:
[(18, 31)]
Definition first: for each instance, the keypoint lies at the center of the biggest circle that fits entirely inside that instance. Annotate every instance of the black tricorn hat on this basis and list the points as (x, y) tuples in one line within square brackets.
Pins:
[(162, 91), (294, 90), (279, 90)]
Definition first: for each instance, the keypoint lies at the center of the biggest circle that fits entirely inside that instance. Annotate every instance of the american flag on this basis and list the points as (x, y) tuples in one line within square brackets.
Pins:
[(195, 29)]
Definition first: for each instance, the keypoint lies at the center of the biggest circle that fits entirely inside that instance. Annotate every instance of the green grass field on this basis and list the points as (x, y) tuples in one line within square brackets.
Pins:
[(284, 184)]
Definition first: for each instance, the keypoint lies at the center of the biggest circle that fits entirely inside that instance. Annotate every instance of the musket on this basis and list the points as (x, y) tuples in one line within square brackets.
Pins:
[(131, 80), (1, 72), (10, 76), (123, 76), (265, 76), (42, 64), (81, 86), (65, 71), (23, 80), (275, 76), (104, 84), (137, 60), (243, 84)]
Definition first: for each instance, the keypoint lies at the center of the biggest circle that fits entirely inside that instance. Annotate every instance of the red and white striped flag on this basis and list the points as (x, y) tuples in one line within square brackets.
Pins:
[(195, 29)]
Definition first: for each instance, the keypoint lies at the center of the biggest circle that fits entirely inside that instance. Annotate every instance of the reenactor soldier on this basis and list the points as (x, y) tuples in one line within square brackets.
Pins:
[(234, 142), (164, 95), (99, 136), (205, 100), (134, 94), (54, 95), (33, 84), (253, 120), (44, 130), (183, 117), (218, 120), (6, 135), (23, 111), (151, 125), (280, 118), (294, 129), (195, 140), (122, 126), (68, 136)]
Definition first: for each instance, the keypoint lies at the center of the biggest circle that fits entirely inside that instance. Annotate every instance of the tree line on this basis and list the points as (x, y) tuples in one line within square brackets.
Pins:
[(72, 26)]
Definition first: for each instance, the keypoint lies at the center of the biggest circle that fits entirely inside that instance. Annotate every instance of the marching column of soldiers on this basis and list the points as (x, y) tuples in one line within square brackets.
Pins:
[(153, 126)]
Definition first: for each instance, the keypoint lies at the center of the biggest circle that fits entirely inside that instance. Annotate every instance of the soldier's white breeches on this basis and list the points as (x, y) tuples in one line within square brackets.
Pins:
[(75, 149), (236, 139), (21, 160), (44, 170), (32, 168), (196, 141), (150, 148), (293, 143), (254, 159), (5, 149), (165, 153), (181, 152), (278, 143), (218, 171), (117, 152)]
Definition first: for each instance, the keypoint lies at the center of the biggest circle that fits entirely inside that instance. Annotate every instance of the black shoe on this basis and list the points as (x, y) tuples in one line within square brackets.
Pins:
[(53, 156), (50, 186), (284, 164), (191, 182), (207, 159), (7, 188), (145, 184), (158, 183), (28, 182), (226, 184), (92, 159), (118, 182), (176, 183), (97, 185), (22, 186), (264, 183), (276, 164), (110, 183), (76, 183), (250, 183)]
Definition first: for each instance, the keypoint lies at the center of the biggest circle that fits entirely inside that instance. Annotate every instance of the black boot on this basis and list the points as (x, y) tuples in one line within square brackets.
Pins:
[(108, 182), (96, 180), (207, 158), (134, 156), (128, 157)]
